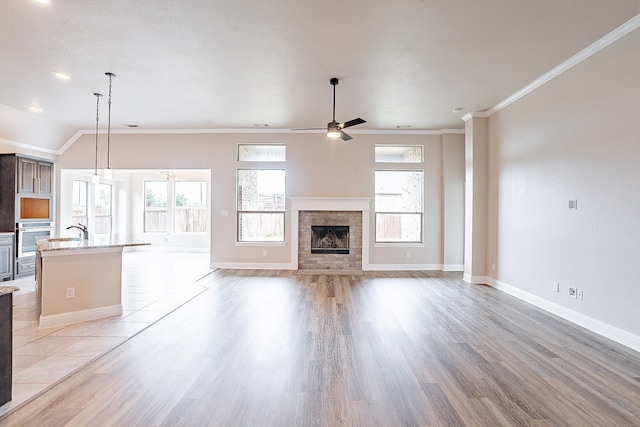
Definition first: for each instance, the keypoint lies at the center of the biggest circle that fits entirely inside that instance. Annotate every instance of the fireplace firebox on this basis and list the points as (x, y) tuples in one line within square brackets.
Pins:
[(329, 239)]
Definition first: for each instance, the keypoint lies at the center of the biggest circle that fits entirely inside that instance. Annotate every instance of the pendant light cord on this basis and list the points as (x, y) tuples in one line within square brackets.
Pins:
[(98, 95), (109, 121)]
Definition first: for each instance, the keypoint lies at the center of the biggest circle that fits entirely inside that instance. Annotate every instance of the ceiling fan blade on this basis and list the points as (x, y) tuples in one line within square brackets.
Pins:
[(353, 122), (344, 136)]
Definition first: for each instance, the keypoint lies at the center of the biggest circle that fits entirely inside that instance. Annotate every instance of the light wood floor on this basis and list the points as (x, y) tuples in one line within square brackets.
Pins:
[(153, 285), (265, 348)]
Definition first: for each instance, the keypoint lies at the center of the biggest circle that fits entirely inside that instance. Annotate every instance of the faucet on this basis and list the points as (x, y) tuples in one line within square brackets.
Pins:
[(82, 229)]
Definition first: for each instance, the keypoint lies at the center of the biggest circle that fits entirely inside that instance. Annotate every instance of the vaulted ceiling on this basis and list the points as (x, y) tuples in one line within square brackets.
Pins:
[(235, 64)]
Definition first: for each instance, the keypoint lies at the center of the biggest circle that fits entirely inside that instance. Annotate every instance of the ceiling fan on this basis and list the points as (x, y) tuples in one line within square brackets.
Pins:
[(334, 129)]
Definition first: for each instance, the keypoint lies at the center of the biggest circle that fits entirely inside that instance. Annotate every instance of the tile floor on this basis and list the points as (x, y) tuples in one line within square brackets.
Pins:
[(153, 285)]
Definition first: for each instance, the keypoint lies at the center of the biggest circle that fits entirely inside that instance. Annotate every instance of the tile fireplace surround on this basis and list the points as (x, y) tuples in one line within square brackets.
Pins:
[(351, 211)]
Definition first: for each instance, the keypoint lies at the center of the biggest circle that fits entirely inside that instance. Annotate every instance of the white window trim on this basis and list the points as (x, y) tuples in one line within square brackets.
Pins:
[(421, 243), (170, 209), (239, 242)]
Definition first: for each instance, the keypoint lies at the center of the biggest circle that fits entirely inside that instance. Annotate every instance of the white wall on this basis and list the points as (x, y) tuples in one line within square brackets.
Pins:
[(316, 167), (576, 137), (453, 179)]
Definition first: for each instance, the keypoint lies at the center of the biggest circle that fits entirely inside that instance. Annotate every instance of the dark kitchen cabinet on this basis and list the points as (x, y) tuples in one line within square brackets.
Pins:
[(6, 257), (24, 180)]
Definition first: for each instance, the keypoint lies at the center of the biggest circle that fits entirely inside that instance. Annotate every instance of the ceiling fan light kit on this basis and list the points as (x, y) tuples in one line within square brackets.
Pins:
[(333, 130)]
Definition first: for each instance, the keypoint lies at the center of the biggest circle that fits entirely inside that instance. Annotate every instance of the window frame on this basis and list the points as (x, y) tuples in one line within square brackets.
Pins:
[(399, 162), (420, 213), (95, 207), (145, 210), (174, 207), (86, 184), (259, 145), (240, 212)]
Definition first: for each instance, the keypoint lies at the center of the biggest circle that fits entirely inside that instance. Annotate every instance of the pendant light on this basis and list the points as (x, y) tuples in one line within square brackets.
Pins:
[(96, 178), (107, 172)]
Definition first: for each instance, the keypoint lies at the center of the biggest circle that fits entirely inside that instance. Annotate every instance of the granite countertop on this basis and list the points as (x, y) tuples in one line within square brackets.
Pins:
[(8, 289), (94, 242), (8, 233)]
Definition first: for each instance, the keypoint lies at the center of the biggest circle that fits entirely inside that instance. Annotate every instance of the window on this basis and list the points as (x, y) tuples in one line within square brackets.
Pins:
[(261, 152), (79, 201), (92, 205), (261, 205), (155, 206), (102, 208), (175, 206), (398, 206), (398, 153), (190, 202)]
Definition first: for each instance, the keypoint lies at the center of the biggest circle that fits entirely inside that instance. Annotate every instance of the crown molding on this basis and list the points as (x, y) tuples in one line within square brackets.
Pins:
[(70, 142), (585, 53), (469, 116), (80, 133), (27, 146)]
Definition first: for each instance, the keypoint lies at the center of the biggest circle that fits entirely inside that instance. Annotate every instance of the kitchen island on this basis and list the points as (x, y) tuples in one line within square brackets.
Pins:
[(80, 279)]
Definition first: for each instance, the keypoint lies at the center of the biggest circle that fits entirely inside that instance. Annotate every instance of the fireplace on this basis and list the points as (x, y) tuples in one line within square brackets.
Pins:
[(352, 212), (329, 239)]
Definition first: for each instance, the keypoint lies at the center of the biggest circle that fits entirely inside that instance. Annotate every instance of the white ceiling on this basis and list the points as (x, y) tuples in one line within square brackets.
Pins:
[(231, 64)]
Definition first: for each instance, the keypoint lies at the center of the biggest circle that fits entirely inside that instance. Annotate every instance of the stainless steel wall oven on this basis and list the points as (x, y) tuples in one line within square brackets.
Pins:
[(27, 235)]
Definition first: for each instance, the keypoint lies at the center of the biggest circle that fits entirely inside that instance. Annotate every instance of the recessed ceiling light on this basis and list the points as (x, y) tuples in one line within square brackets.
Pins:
[(61, 75), (458, 110), (35, 109)]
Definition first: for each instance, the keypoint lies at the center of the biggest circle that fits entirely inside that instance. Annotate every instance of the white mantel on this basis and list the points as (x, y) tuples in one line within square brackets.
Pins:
[(359, 204)]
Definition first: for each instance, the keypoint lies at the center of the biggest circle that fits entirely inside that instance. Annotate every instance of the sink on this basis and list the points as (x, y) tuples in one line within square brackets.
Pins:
[(62, 239)]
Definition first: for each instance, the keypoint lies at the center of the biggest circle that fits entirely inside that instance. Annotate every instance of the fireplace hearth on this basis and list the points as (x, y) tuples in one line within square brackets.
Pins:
[(329, 239)]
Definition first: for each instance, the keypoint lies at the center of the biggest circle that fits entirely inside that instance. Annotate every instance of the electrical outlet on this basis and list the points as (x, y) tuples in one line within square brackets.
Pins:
[(265, 253), (556, 287), (572, 292), (408, 254), (579, 293), (71, 292)]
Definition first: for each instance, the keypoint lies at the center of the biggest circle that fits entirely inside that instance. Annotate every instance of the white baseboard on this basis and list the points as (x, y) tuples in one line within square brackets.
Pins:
[(475, 280), (79, 316), (453, 267), (601, 328), (402, 267), (252, 266), (152, 248), (369, 267)]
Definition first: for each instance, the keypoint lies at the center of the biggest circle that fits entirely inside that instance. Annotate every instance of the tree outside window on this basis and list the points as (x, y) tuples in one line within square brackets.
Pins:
[(190, 214), (102, 208), (155, 206)]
